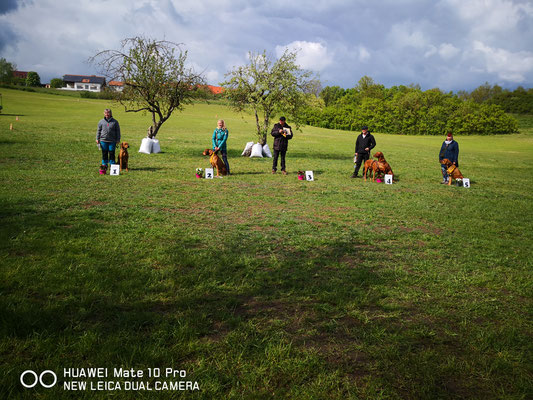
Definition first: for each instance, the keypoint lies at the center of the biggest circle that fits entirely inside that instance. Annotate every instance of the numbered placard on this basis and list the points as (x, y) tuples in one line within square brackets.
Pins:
[(209, 173), (309, 176), (388, 179), (115, 169), (466, 182)]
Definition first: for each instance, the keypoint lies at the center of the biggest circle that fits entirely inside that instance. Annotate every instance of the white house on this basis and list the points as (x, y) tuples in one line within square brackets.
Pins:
[(90, 83), (117, 86)]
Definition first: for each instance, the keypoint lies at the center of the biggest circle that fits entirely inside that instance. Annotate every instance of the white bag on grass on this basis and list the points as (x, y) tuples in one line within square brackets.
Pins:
[(257, 150), (266, 151), (156, 148), (146, 146), (247, 149)]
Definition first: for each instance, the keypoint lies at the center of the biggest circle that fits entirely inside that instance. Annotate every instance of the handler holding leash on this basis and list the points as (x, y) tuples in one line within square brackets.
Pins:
[(364, 143), (449, 150), (220, 138), (108, 137)]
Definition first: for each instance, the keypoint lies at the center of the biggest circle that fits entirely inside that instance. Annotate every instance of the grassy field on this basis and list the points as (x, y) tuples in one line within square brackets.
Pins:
[(261, 286)]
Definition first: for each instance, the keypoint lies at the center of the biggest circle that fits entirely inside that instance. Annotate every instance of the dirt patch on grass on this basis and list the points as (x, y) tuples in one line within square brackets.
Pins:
[(94, 203)]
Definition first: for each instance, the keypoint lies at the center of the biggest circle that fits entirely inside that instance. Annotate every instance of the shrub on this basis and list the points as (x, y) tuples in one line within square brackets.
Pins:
[(56, 83)]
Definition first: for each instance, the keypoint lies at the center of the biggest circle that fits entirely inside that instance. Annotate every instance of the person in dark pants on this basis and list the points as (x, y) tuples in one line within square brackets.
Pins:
[(363, 145), (220, 138), (449, 150), (108, 137), (282, 133)]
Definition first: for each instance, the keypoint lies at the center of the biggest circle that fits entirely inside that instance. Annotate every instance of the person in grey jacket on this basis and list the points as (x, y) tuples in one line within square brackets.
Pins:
[(108, 137)]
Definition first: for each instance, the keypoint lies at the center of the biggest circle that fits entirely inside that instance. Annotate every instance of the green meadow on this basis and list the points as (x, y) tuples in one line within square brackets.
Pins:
[(260, 286)]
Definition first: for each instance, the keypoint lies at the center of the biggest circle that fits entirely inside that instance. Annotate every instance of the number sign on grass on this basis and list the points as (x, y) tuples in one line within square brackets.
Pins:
[(115, 169), (388, 179), (309, 176), (209, 173), (466, 182)]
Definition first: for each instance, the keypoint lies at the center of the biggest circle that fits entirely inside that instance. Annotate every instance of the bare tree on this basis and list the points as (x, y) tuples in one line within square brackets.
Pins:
[(155, 77)]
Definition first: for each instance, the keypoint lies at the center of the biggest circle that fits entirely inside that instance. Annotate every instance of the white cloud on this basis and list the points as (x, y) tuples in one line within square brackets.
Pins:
[(448, 51), (432, 50), (490, 16), (507, 65), (408, 34), (364, 55), (311, 55)]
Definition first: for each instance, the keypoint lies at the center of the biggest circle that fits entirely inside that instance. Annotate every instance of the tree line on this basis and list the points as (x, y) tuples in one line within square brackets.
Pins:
[(518, 101), (408, 110)]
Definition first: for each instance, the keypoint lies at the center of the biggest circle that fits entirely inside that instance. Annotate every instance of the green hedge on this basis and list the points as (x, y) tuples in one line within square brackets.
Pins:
[(411, 111)]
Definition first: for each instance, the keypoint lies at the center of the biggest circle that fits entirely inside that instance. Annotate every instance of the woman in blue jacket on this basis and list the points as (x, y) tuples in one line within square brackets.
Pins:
[(220, 137), (449, 150)]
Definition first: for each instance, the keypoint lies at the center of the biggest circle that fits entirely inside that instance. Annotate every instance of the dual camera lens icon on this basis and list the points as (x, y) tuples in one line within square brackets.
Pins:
[(33, 379)]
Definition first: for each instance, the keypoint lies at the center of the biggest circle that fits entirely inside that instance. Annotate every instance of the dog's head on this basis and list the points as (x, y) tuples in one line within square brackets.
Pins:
[(124, 145), (207, 152), (379, 155), (446, 162)]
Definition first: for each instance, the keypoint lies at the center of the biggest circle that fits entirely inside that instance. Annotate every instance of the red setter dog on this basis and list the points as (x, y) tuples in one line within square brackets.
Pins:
[(383, 165), (216, 162), (123, 156)]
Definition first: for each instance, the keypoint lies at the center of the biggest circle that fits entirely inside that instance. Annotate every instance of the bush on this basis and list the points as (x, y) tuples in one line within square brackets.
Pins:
[(105, 94), (56, 83), (33, 79)]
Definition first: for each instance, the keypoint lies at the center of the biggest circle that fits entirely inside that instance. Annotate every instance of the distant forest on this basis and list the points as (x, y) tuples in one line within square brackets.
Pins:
[(409, 110)]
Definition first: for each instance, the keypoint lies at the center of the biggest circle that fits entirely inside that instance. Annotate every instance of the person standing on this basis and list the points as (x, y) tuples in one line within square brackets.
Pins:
[(282, 133), (449, 150), (363, 145), (108, 137), (220, 138)]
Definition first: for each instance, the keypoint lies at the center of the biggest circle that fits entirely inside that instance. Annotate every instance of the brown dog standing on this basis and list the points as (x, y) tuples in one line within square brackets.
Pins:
[(123, 156), (216, 162), (371, 165)]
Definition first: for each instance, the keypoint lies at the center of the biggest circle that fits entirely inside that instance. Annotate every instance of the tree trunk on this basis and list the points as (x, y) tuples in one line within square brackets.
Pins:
[(265, 131), (154, 128), (260, 135)]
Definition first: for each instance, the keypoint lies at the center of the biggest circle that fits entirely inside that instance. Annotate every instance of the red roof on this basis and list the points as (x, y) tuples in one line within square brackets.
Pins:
[(115, 83), (215, 89)]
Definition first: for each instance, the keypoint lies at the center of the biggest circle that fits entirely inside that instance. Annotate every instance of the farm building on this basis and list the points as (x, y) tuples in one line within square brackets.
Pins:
[(20, 74)]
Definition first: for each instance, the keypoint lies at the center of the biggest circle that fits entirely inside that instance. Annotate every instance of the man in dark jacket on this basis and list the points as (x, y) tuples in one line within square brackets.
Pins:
[(449, 150), (363, 145), (108, 137), (282, 133)]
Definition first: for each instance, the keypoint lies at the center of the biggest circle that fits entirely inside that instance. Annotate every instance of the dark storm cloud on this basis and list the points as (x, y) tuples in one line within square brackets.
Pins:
[(8, 5)]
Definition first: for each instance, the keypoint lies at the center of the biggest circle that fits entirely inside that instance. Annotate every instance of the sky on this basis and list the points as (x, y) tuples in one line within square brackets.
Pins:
[(450, 44)]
